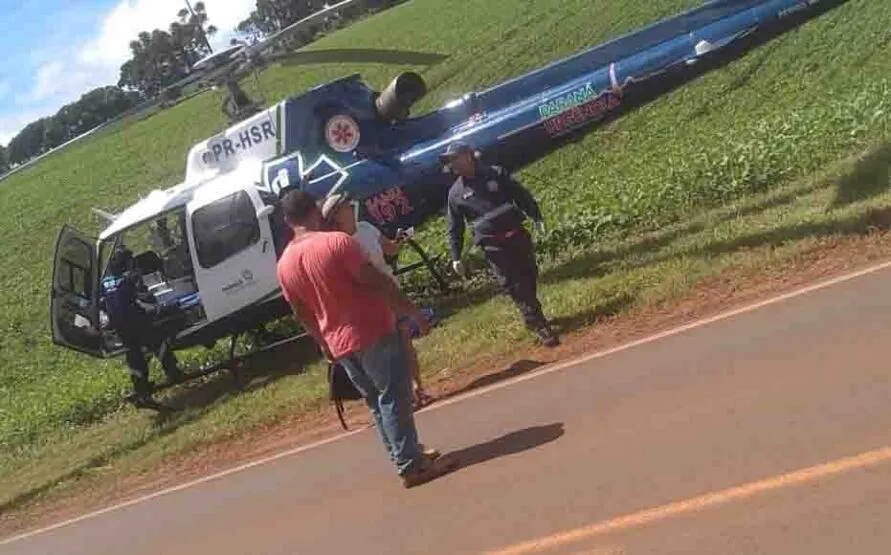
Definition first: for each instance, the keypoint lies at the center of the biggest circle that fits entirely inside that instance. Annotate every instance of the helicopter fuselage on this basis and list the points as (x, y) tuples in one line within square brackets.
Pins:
[(344, 135)]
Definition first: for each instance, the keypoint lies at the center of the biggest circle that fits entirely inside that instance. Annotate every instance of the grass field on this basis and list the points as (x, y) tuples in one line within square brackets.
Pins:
[(754, 130)]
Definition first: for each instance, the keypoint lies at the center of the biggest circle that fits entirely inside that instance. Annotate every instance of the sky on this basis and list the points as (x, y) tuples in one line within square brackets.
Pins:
[(57, 50)]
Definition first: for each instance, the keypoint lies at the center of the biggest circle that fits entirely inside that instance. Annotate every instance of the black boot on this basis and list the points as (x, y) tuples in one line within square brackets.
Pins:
[(547, 336), (141, 397), (146, 401), (175, 376)]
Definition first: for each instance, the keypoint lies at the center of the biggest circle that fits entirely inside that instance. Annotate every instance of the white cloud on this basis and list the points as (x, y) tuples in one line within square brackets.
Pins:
[(99, 58), (130, 17), (95, 61), (57, 83), (11, 124), (48, 82)]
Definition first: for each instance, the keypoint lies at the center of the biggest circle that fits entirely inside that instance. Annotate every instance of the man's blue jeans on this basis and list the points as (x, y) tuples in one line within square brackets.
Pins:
[(380, 373)]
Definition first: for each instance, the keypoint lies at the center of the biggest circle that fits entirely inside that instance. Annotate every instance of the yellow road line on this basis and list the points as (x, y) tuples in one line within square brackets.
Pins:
[(709, 500)]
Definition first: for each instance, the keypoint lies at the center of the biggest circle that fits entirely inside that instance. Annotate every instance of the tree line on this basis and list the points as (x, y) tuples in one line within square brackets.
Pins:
[(159, 59)]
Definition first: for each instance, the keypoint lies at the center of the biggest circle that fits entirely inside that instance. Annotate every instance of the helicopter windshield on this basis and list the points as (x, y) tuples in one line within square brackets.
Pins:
[(160, 248)]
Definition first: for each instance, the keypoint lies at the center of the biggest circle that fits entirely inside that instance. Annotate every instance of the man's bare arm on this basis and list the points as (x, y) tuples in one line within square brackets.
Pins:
[(367, 276), (389, 246), (303, 316), (374, 279)]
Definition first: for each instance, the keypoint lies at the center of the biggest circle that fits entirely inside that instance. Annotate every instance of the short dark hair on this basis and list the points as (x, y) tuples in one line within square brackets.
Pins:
[(121, 261), (297, 206)]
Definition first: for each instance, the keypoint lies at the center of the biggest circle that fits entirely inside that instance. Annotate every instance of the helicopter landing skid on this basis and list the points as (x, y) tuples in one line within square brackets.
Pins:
[(235, 364), (443, 284), (149, 404)]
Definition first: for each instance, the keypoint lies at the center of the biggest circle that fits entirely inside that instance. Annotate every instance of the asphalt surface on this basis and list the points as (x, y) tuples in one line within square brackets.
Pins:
[(723, 439)]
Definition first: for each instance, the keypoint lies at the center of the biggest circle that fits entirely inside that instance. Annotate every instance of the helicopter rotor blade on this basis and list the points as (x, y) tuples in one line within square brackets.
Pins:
[(357, 55), (273, 40)]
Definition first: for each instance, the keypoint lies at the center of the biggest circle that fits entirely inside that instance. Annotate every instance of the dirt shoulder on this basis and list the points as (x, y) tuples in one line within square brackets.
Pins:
[(734, 287)]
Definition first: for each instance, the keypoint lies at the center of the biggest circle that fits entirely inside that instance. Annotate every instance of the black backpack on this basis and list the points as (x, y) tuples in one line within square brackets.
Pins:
[(341, 388)]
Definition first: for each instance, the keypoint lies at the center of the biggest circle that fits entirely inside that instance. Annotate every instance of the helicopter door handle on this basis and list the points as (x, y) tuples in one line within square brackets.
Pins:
[(265, 244)]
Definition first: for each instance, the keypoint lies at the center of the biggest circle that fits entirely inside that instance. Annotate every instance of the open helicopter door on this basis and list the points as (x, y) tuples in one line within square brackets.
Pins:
[(74, 295)]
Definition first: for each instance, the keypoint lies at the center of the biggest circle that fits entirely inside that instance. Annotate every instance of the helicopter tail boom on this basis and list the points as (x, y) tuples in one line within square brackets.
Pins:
[(522, 119)]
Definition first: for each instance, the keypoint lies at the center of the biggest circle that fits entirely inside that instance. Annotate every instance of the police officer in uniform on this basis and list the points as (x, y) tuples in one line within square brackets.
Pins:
[(496, 205), (131, 310)]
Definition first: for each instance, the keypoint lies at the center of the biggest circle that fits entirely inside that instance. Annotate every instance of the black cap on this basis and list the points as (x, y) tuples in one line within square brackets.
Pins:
[(454, 149)]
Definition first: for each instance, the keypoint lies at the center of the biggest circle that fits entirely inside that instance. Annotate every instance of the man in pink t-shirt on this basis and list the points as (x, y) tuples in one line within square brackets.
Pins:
[(347, 305)]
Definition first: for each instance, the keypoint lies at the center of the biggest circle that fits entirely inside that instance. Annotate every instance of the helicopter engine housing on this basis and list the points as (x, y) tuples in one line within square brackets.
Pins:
[(395, 102)]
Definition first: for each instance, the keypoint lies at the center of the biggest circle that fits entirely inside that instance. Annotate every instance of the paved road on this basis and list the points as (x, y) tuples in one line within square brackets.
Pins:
[(767, 432)]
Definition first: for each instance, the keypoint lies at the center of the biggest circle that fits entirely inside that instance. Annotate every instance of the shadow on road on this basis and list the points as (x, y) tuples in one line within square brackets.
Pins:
[(516, 369), (510, 444)]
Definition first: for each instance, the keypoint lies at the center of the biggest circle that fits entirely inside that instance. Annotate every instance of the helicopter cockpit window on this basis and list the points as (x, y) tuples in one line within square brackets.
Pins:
[(224, 228), (158, 244), (160, 251)]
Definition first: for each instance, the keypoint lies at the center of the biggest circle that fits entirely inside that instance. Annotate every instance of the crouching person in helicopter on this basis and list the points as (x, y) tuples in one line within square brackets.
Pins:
[(131, 311)]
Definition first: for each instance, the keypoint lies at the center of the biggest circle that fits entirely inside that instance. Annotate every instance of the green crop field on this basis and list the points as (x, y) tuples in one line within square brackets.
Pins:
[(761, 126)]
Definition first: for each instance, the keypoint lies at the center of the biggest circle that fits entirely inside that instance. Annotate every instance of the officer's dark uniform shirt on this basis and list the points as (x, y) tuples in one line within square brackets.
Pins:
[(492, 202), (131, 308)]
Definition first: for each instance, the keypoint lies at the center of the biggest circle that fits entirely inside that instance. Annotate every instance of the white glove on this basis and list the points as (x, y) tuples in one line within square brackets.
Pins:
[(459, 268), (540, 227)]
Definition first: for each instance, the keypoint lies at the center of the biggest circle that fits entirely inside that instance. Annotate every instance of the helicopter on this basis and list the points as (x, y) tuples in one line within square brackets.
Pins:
[(208, 246)]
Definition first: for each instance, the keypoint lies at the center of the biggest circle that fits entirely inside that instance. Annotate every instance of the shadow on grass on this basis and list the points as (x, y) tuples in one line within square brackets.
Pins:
[(593, 264), (583, 318), (360, 55), (96, 461), (509, 444), (773, 201), (870, 178), (562, 324), (861, 224), (257, 371), (741, 80), (480, 291), (192, 400)]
